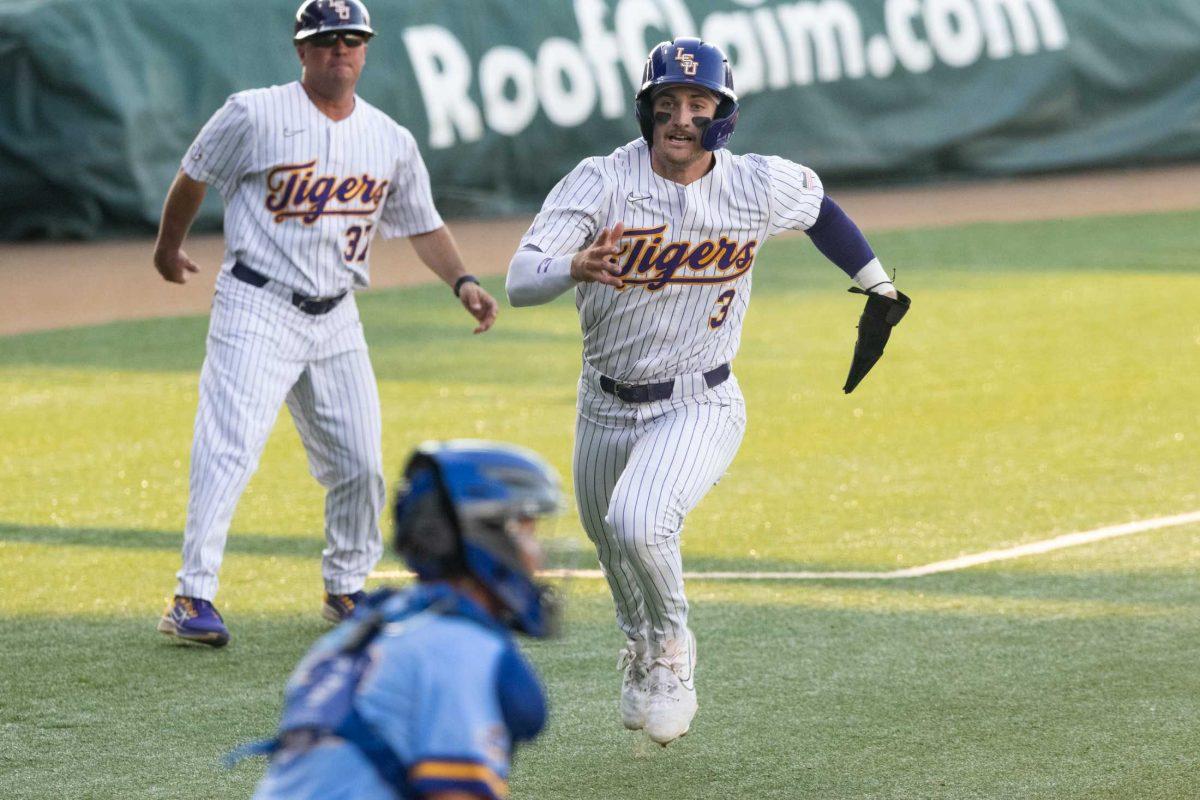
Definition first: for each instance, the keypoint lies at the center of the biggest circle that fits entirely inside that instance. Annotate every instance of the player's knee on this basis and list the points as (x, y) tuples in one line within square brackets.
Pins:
[(235, 463), (639, 531), (596, 529), (364, 472)]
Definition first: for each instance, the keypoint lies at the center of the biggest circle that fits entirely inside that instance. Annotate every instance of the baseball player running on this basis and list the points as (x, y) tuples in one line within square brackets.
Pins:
[(423, 693), (658, 240), (309, 173)]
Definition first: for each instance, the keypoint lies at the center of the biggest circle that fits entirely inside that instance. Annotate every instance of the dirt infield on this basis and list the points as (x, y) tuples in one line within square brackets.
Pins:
[(54, 285)]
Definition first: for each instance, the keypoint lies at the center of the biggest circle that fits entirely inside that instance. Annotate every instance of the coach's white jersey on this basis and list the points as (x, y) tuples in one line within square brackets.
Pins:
[(304, 195), (685, 259)]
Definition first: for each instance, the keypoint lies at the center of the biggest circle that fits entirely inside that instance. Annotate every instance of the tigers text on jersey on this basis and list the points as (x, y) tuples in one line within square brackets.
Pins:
[(305, 194), (686, 255)]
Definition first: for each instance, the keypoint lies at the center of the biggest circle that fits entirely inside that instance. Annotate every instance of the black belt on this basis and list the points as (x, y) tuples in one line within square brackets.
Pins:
[(649, 392), (309, 305)]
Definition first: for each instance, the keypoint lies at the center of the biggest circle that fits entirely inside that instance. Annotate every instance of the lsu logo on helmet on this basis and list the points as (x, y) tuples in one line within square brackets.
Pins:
[(687, 62)]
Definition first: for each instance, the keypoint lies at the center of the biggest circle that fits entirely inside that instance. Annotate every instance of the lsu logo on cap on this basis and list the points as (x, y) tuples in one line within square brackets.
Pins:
[(686, 62)]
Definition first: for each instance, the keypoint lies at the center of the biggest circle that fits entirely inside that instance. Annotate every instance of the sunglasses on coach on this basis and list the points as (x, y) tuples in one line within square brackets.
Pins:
[(330, 39)]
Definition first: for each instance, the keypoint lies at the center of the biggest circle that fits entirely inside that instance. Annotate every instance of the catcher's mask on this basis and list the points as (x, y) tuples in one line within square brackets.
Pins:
[(690, 62), (322, 16), (458, 511)]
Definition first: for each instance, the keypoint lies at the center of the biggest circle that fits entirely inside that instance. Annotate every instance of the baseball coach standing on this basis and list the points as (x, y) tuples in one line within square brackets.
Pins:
[(309, 173)]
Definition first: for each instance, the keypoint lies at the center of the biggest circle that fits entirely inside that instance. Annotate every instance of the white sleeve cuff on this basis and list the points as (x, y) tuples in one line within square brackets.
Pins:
[(535, 278), (873, 277)]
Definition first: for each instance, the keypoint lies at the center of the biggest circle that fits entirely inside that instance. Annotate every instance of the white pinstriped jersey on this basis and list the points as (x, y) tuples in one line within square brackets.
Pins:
[(686, 257), (304, 195)]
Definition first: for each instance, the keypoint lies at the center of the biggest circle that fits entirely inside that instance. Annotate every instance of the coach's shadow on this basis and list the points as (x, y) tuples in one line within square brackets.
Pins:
[(561, 553), (256, 544)]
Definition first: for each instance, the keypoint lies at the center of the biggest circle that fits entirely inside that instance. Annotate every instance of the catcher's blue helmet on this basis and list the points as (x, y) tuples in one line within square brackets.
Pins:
[(691, 61), (321, 16), (454, 513)]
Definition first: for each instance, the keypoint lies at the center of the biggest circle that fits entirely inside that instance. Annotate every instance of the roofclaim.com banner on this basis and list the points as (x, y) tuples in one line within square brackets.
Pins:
[(506, 96)]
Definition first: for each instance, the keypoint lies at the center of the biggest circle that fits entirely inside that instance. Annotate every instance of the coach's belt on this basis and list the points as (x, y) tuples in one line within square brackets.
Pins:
[(309, 305), (650, 392)]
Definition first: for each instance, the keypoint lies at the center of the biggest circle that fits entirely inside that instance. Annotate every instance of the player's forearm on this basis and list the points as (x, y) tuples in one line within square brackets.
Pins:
[(841, 241), (535, 278), (438, 251), (179, 211)]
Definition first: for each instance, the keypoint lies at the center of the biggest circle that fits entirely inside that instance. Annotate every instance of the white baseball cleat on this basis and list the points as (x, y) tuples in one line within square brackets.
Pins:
[(634, 665), (672, 703)]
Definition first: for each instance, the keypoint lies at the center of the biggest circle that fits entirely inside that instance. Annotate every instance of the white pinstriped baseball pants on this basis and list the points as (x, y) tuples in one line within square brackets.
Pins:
[(639, 469), (261, 351)]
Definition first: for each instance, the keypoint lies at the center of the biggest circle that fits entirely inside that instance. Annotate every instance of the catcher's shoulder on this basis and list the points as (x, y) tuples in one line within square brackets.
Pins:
[(450, 650)]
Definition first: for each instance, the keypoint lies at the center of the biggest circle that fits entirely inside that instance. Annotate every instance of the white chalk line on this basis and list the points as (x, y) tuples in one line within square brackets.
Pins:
[(949, 565)]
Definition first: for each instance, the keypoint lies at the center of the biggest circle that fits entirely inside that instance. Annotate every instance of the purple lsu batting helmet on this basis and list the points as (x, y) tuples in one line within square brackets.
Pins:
[(694, 62), (320, 16)]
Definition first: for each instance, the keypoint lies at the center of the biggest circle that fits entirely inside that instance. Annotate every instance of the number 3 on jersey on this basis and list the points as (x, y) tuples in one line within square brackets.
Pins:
[(354, 235), (724, 299)]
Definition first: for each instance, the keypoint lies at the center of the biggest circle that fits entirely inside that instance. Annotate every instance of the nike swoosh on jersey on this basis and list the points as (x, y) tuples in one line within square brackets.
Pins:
[(287, 134), (637, 198)]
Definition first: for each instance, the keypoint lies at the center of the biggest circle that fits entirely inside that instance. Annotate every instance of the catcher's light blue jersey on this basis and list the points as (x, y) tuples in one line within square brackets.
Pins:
[(440, 691)]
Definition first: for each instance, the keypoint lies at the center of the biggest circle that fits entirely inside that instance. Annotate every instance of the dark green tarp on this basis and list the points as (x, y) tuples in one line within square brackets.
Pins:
[(99, 99)]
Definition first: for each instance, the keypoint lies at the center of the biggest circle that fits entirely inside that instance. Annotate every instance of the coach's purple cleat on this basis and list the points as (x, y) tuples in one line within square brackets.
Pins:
[(194, 620), (341, 606)]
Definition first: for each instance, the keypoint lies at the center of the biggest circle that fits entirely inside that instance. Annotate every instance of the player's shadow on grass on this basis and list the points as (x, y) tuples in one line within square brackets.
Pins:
[(257, 544), (559, 554), (1158, 587)]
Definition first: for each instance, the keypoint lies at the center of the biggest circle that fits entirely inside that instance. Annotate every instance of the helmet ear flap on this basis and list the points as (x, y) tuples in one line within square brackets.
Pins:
[(719, 131), (644, 111), (428, 534)]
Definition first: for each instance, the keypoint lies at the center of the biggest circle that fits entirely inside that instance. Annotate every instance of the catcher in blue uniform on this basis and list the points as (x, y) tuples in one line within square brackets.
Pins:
[(423, 693)]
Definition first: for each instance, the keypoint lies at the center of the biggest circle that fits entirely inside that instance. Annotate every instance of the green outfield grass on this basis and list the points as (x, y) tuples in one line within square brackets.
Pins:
[(1045, 381)]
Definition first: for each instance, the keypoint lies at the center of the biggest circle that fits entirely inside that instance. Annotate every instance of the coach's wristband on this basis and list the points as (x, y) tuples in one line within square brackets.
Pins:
[(458, 284)]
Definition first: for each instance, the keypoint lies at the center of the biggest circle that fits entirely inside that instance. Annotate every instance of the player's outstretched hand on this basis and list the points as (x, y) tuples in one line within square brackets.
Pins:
[(175, 266), (598, 261), (480, 304)]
